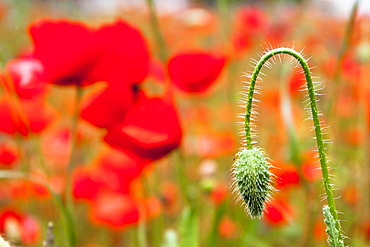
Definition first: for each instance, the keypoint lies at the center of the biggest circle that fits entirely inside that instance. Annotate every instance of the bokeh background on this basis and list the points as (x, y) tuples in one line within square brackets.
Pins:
[(120, 119)]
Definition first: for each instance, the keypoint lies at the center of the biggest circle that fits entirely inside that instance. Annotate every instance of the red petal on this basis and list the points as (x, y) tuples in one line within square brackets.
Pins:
[(125, 55), (25, 77), (66, 49), (113, 210), (151, 129), (195, 72), (109, 108)]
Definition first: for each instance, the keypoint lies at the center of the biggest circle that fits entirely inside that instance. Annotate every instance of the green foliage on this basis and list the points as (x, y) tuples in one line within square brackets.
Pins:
[(189, 228)]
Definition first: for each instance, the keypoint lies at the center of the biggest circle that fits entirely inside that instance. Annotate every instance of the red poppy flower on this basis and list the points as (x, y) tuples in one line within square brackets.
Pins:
[(227, 228), (286, 175), (218, 194), (39, 115), (33, 117), (24, 77), (124, 54), (74, 54), (119, 171), (16, 225), (56, 146), (250, 23), (8, 156), (10, 121), (27, 190), (311, 169), (151, 129), (277, 213), (319, 230), (195, 72), (252, 19), (296, 82), (114, 210), (67, 51), (109, 108), (86, 184)]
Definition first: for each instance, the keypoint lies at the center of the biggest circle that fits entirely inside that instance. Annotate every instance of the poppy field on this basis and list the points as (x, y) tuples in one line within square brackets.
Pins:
[(220, 123)]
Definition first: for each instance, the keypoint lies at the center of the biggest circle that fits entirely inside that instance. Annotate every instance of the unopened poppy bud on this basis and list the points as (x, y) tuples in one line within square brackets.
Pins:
[(252, 177), (333, 233)]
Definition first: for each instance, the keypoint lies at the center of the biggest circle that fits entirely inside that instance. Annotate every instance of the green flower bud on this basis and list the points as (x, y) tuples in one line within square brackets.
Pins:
[(333, 233), (252, 178)]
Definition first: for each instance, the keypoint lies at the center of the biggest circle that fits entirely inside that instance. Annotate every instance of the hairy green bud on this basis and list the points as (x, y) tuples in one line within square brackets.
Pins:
[(331, 229), (252, 177)]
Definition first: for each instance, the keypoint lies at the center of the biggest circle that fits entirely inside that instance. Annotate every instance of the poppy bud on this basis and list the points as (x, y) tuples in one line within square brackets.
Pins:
[(331, 229), (252, 177)]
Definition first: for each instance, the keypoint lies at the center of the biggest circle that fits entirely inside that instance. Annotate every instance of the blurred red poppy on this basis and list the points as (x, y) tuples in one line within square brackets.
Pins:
[(56, 146), (10, 121), (66, 49), (151, 129), (124, 54), (8, 156), (74, 54), (252, 19), (119, 171), (19, 227), (296, 82), (39, 115), (251, 22), (24, 77), (114, 210), (196, 71), (27, 190), (311, 169), (86, 184), (34, 117), (277, 212), (109, 107), (227, 228), (219, 193), (286, 175)]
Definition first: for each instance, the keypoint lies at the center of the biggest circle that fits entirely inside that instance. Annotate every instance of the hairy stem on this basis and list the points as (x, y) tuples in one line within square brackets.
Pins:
[(315, 117)]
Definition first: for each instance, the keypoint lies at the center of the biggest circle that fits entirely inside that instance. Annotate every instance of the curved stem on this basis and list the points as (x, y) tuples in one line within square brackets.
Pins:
[(315, 117)]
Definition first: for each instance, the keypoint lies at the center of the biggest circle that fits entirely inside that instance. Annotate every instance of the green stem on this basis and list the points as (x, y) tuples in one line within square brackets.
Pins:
[(315, 117), (161, 44), (142, 228), (217, 216), (73, 154), (141, 232), (341, 54), (223, 8), (347, 40), (182, 178)]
